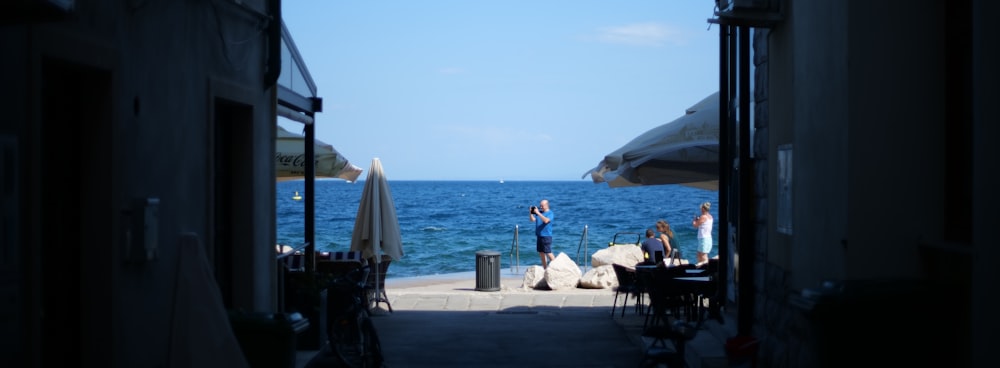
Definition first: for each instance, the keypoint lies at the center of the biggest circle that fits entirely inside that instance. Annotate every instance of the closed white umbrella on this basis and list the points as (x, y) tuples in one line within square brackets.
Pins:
[(684, 151), (290, 159), (376, 227)]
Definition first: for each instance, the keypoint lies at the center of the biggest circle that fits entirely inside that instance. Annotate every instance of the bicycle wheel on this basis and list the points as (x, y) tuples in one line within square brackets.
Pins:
[(350, 354), (366, 353), (372, 354)]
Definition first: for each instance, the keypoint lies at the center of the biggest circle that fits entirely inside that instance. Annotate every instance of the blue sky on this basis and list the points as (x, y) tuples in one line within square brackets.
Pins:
[(490, 90)]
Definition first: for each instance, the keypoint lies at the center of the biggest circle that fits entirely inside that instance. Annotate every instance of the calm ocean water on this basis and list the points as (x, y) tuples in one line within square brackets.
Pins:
[(444, 223)]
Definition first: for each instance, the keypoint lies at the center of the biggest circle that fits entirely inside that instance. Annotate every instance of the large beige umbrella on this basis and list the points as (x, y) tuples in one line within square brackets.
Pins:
[(684, 151), (290, 159), (376, 228)]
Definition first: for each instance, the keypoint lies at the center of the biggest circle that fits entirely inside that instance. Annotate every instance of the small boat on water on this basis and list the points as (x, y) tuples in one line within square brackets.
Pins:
[(297, 197)]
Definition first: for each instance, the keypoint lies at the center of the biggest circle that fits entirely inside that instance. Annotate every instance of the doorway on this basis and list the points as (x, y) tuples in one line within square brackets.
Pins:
[(75, 214), (232, 191)]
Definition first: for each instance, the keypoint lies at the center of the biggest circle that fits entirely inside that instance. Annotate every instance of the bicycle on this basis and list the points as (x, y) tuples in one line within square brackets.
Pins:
[(352, 338)]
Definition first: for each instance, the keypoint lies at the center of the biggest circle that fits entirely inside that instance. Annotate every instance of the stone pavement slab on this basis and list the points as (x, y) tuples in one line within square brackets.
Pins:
[(544, 337), (447, 323), (442, 321)]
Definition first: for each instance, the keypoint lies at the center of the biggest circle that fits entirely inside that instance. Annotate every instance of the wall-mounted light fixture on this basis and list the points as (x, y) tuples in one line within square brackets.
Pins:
[(143, 231)]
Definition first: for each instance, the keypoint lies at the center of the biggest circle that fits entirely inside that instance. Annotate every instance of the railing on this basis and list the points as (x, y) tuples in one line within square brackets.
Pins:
[(583, 247), (515, 254)]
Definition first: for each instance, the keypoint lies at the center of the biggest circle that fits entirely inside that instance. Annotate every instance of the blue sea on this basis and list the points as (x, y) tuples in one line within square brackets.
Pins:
[(444, 223)]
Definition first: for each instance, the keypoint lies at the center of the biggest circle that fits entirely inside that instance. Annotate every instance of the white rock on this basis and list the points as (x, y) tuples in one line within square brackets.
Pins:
[(623, 254), (601, 277), (533, 277), (562, 273)]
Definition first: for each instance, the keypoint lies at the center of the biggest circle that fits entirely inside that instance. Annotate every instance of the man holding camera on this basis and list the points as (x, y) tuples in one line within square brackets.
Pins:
[(542, 216)]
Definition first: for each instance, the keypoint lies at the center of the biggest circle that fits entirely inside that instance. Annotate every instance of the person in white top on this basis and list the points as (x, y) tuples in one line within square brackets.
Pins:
[(703, 223)]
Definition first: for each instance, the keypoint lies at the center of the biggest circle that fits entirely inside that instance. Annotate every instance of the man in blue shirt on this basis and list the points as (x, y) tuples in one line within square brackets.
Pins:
[(651, 246), (542, 216)]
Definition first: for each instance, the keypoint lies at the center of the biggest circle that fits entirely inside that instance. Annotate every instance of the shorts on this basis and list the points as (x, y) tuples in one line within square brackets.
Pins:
[(543, 244), (705, 245)]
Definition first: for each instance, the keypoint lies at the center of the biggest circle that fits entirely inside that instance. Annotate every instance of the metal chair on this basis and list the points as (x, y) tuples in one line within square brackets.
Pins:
[(674, 258), (338, 263), (628, 284), (375, 287)]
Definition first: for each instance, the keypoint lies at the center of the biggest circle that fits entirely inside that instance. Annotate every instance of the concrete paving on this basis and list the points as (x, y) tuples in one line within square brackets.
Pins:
[(443, 321)]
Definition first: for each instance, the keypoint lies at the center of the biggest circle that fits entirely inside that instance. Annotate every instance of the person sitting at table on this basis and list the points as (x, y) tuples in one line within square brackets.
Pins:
[(651, 246), (666, 237)]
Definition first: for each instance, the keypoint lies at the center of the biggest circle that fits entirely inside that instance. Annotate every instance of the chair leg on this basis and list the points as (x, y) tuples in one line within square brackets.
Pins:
[(374, 298), (653, 314), (649, 313), (624, 304), (656, 313), (385, 298), (614, 304)]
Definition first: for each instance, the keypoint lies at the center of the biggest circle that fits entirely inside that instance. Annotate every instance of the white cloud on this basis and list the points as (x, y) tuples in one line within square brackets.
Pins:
[(639, 34)]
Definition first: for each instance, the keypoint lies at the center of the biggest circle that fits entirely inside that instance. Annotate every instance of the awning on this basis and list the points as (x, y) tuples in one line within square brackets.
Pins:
[(290, 159), (684, 151)]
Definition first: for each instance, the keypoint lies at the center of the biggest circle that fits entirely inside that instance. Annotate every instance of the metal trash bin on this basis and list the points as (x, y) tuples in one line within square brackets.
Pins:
[(487, 270)]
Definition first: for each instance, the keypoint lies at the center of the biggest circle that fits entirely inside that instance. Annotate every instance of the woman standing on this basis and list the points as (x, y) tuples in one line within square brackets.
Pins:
[(703, 223), (666, 237)]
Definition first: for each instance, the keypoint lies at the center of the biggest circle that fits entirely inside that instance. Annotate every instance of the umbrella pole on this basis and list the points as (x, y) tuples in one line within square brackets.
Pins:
[(378, 277)]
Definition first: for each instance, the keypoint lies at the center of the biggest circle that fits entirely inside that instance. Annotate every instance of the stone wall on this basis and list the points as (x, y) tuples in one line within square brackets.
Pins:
[(785, 333), (783, 330)]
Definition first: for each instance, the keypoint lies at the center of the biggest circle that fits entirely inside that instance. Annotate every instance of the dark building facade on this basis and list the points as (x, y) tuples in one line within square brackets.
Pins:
[(137, 148), (857, 185)]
